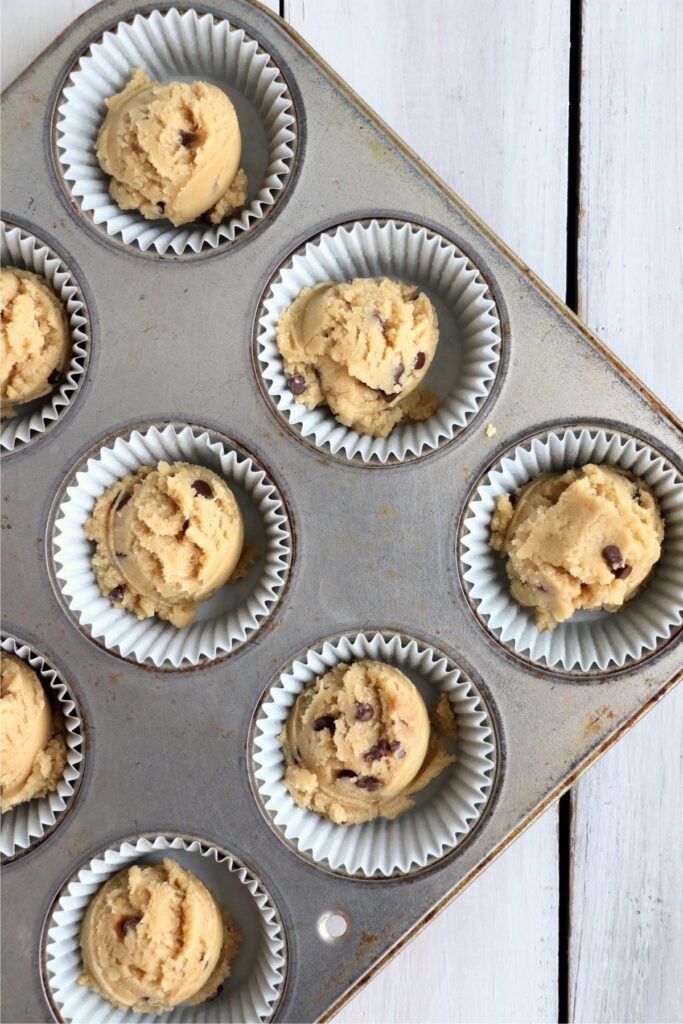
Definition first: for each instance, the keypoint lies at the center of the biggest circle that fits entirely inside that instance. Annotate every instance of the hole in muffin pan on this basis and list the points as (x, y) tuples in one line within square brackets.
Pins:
[(173, 45), (27, 825), (224, 622), (333, 926), (255, 986), (24, 248), (471, 355), (444, 815), (591, 645)]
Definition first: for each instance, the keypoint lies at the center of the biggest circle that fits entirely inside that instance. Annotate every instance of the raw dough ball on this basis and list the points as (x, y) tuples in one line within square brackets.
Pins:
[(153, 937), (587, 538), (172, 150), (32, 762), (358, 744), (361, 347), (35, 338), (166, 539)]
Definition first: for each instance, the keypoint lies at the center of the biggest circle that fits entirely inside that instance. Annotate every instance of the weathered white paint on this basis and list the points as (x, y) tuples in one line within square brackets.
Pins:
[(627, 832)]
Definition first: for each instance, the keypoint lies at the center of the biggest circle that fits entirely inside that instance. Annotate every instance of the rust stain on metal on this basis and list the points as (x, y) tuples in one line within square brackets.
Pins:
[(597, 719)]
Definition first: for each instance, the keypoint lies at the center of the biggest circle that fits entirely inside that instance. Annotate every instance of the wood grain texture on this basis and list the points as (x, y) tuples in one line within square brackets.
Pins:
[(627, 830), (480, 92)]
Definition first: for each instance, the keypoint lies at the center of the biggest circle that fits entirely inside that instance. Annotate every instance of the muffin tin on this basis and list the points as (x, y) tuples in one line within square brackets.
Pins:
[(375, 546)]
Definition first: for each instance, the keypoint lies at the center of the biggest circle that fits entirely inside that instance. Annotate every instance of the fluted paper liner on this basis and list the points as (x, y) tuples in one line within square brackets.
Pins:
[(252, 990), (171, 46), (25, 825), (442, 814), (467, 356), (19, 248), (594, 641), (228, 618)]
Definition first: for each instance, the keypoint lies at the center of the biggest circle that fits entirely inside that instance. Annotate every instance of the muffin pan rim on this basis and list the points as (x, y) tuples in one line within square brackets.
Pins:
[(64, 815), (498, 755), (206, 251), (265, 623), (574, 675), (84, 305), (493, 292), (207, 849)]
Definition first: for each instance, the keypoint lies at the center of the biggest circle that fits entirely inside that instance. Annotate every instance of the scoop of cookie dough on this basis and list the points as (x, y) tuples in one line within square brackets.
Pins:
[(35, 338), (154, 937), (32, 758), (166, 539), (358, 744), (172, 150), (587, 538), (361, 347)]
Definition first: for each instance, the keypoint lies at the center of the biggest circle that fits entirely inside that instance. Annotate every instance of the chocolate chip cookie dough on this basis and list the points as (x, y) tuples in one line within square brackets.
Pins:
[(587, 538), (166, 539), (35, 339), (362, 348), (154, 937), (358, 744), (173, 150), (32, 745)]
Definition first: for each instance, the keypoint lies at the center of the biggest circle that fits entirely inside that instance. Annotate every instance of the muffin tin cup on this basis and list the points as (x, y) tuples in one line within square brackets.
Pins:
[(174, 45), (24, 826), (251, 992), (590, 642), (21, 249), (226, 620), (468, 354), (442, 815)]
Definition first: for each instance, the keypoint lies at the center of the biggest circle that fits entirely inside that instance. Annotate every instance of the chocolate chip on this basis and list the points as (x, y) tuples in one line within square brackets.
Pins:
[(419, 361), (613, 556), (54, 376), (368, 782), (161, 206), (185, 525), (215, 995), (392, 746), (398, 372), (623, 572), (513, 499), (128, 923), (363, 712), (400, 753), (296, 384), (324, 722), (117, 593), (374, 753), (123, 501), (186, 138), (202, 489), (387, 397), (346, 773)]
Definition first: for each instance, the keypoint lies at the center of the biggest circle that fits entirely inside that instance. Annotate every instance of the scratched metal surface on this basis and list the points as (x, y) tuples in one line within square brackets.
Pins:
[(172, 340)]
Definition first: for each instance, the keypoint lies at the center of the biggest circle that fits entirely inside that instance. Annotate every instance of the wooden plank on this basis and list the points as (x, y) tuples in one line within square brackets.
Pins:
[(480, 92), (627, 829)]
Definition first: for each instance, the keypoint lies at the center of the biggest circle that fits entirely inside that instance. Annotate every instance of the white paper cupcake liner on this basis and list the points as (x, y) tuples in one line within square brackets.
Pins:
[(171, 46), (467, 356), (223, 622), (19, 248), (26, 825), (250, 993), (589, 641), (442, 815)]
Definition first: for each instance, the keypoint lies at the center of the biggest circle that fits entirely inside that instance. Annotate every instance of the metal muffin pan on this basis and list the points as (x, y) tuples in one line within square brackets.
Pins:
[(376, 546)]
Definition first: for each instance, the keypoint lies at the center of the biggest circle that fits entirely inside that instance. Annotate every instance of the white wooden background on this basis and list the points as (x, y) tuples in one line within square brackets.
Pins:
[(479, 88)]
